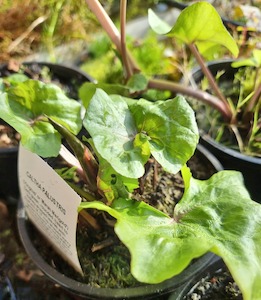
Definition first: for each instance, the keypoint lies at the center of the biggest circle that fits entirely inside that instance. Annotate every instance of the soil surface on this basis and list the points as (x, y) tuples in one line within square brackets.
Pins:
[(217, 286)]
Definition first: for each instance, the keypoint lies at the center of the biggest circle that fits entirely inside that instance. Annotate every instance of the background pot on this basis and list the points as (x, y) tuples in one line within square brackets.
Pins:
[(232, 159), (216, 265), (155, 291), (8, 156)]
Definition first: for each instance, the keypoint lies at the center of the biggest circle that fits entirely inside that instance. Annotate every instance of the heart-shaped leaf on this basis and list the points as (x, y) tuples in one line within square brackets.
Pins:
[(198, 24), (125, 133), (113, 131), (171, 130), (26, 107), (206, 219)]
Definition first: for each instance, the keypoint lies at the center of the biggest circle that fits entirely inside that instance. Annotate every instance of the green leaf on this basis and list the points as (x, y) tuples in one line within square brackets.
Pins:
[(25, 108), (170, 128), (253, 61), (113, 131), (201, 24), (88, 89), (125, 135), (214, 215), (221, 212), (13, 79), (112, 184), (137, 83), (158, 25)]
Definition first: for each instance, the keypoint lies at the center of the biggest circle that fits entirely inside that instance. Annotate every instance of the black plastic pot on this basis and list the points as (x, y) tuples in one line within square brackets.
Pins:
[(215, 267), (8, 173), (8, 156), (156, 291), (232, 159)]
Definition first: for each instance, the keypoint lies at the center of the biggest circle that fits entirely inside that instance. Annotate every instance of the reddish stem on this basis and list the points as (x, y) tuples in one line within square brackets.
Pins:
[(124, 52), (209, 77), (195, 93), (115, 37)]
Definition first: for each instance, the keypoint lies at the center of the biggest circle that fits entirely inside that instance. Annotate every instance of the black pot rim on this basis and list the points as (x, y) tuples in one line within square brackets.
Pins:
[(183, 290), (230, 152), (82, 289), (208, 139), (62, 66), (226, 61)]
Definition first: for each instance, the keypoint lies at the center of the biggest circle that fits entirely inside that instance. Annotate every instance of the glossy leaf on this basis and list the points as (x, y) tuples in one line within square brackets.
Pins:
[(200, 24), (113, 130), (88, 89), (158, 25), (112, 184), (206, 219), (170, 128), (125, 135), (26, 107)]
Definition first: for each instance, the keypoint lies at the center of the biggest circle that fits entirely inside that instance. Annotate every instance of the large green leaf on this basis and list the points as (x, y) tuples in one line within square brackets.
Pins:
[(25, 107), (171, 129), (214, 215), (113, 131), (125, 135), (199, 23)]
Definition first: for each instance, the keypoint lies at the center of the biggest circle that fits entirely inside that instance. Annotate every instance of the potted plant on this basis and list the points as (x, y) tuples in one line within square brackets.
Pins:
[(242, 122), (71, 78), (123, 136), (241, 154), (240, 119), (105, 184)]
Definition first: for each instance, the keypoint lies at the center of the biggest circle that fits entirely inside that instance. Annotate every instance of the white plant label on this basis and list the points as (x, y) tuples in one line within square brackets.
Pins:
[(51, 204)]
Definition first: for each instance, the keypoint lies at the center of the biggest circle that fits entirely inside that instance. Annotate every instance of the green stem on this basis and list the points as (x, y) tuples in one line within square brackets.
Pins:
[(49, 32), (81, 192), (254, 99)]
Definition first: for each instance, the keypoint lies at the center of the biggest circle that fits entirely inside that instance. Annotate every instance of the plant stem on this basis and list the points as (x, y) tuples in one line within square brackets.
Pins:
[(110, 29), (49, 32), (254, 99), (124, 53), (90, 220), (195, 93), (86, 159), (115, 37), (210, 78)]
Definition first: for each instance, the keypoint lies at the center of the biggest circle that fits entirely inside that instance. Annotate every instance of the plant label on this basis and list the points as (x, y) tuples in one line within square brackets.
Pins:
[(51, 204)]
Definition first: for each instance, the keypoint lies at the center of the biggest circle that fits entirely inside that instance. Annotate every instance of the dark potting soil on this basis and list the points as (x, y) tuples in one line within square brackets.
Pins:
[(104, 259), (218, 286)]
